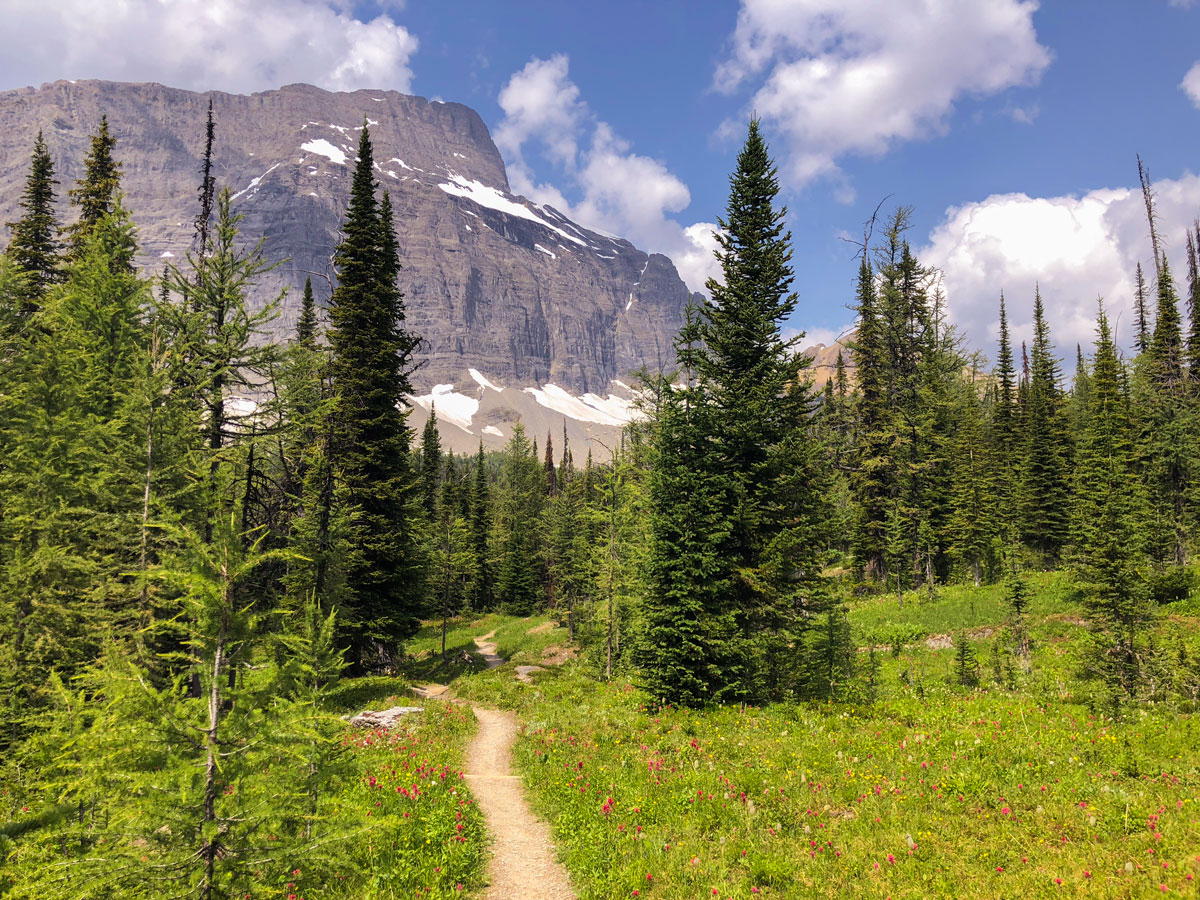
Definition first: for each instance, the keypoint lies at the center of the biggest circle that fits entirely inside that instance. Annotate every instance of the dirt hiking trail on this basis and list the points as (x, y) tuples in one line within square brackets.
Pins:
[(523, 866)]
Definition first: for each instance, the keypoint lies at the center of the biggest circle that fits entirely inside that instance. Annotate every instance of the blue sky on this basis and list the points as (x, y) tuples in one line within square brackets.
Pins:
[(1011, 127)]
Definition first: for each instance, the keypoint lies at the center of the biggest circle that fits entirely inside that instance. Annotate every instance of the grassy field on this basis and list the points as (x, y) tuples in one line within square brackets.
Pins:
[(932, 791)]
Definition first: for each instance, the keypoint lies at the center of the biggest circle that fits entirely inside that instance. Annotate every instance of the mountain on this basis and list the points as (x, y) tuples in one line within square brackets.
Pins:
[(495, 283)]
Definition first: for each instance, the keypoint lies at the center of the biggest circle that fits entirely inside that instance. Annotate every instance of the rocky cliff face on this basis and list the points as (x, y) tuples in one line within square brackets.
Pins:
[(493, 282)]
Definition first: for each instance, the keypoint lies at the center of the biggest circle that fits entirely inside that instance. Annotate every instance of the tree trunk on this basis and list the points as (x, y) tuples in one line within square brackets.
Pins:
[(211, 847)]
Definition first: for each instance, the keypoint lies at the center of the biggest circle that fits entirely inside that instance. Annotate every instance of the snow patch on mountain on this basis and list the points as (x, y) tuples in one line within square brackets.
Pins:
[(483, 381), (588, 408), (448, 404), (478, 192), (322, 147)]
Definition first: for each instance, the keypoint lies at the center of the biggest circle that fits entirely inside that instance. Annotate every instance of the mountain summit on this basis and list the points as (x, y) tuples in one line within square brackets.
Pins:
[(494, 282)]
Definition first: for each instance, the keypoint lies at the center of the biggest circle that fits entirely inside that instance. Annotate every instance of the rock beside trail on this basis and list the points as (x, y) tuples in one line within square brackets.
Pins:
[(525, 673), (386, 718)]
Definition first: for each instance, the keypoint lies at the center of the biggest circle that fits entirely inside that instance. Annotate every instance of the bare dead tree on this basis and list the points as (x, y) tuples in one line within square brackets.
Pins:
[(1148, 197)]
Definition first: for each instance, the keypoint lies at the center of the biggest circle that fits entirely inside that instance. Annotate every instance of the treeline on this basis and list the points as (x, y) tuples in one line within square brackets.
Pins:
[(200, 530), (709, 553)]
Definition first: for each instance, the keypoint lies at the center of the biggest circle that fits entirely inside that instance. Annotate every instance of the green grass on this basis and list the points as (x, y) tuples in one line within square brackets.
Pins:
[(1024, 793), (954, 608)]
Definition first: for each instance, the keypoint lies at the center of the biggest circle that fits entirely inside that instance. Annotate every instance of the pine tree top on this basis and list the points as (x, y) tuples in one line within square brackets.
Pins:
[(306, 325), (34, 247), (95, 191)]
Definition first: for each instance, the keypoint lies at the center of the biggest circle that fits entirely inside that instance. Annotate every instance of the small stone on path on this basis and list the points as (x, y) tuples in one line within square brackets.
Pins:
[(384, 718)]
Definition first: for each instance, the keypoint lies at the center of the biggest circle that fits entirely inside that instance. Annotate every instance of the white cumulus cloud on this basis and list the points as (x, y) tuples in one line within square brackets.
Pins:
[(1191, 84), (1077, 248), (225, 45), (618, 191), (838, 78)]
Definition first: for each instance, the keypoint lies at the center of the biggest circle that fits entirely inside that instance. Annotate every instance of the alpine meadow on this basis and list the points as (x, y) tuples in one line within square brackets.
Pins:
[(371, 530)]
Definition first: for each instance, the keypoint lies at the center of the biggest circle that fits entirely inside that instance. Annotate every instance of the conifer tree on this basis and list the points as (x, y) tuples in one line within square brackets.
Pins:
[(973, 521), (760, 400), (872, 474), (306, 324), (208, 186), (518, 505), (1141, 316), (1107, 500), (1166, 345), (95, 192), (34, 247), (482, 596), (431, 462), (1192, 350), (1045, 486), (1005, 439), (372, 356), (1168, 433)]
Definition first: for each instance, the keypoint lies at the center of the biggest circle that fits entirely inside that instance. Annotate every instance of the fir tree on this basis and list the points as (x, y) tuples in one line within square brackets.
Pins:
[(1166, 345), (760, 397), (1046, 492), (966, 663), (1192, 351), (372, 356), (306, 325), (518, 505), (1005, 439), (482, 596), (1142, 319), (95, 192), (872, 474), (34, 247), (431, 462), (1168, 433), (1107, 500), (694, 650)]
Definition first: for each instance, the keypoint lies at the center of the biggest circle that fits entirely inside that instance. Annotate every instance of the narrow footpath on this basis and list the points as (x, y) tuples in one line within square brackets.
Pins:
[(523, 866)]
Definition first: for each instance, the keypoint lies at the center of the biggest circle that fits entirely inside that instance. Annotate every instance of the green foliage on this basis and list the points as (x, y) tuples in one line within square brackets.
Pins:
[(1044, 522), (34, 247), (759, 509), (966, 663), (96, 192), (518, 503), (371, 359)]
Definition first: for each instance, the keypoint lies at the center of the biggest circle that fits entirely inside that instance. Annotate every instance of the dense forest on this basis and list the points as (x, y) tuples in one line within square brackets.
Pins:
[(206, 534)]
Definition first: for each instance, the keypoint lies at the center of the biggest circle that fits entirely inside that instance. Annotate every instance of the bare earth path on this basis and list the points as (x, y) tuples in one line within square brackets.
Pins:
[(523, 866)]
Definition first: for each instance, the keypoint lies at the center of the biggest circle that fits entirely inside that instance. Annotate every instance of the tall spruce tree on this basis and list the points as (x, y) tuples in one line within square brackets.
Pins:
[(872, 472), (1108, 524), (431, 462), (1192, 349), (1045, 485), (760, 396), (694, 648), (1141, 315), (482, 589), (372, 357), (1168, 433), (1006, 447), (306, 324), (95, 192), (34, 247)]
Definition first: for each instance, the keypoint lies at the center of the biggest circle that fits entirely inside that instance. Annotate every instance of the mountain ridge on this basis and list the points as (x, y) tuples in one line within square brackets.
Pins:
[(492, 281)]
